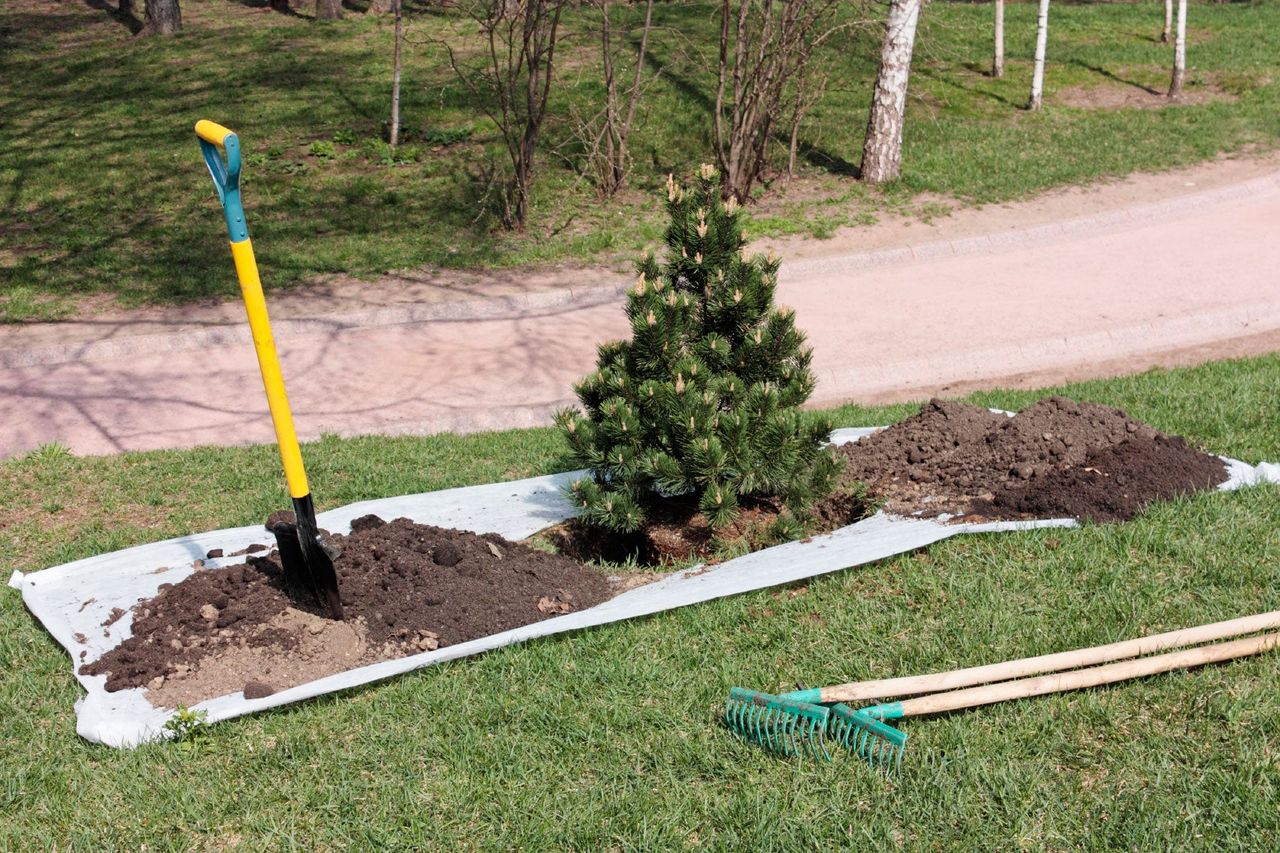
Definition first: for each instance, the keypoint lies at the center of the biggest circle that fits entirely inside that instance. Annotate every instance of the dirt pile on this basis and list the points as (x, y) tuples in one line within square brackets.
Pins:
[(406, 588), (1055, 458)]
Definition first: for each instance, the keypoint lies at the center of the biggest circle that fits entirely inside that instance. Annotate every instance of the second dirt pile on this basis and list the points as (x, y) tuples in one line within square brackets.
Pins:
[(1057, 458)]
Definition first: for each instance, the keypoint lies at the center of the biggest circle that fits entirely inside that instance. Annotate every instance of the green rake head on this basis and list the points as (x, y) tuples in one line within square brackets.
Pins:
[(791, 726), (786, 726), (879, 743)]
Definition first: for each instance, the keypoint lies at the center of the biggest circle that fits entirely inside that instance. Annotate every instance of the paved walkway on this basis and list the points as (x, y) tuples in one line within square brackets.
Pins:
[(1185, 278)]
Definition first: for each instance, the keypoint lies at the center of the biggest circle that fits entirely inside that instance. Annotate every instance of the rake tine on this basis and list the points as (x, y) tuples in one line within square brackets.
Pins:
[(779, 724), (871, 739)]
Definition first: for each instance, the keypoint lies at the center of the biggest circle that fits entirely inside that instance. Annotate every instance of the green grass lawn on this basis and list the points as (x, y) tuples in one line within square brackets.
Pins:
[(105, 192), (609, 738)]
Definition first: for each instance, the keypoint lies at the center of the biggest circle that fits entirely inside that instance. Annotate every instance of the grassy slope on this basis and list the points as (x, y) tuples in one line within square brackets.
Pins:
[(609, 737), (105, 192)]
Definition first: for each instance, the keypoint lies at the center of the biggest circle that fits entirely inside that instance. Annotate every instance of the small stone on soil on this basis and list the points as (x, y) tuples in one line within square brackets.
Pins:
[(257, 690)]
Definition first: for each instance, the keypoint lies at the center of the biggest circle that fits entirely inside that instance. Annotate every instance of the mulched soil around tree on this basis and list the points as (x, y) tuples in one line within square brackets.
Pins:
[(409, 588)]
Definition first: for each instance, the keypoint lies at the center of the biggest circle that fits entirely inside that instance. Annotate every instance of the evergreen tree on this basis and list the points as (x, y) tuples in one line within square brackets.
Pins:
[(704, 400)]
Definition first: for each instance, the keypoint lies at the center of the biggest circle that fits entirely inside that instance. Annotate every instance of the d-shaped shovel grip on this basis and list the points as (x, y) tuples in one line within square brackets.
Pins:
[(225, 173)]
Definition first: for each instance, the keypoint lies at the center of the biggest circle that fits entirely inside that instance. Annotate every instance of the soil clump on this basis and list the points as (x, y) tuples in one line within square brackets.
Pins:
[(1053, 459), (406, 588)]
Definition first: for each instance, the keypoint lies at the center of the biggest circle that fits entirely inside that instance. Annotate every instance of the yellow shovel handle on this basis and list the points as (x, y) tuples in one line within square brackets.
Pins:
[(269, 363)]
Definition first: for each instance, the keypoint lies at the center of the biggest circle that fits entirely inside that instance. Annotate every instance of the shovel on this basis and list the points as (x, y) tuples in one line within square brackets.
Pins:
[(307, 561)]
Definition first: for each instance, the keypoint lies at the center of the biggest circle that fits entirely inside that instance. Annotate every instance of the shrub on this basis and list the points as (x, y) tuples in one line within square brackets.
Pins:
[(703, 403)]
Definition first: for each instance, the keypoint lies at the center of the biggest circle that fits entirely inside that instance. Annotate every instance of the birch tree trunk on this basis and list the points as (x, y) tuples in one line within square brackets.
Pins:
[(1168, 21), (393, 136), (997, 61), (1042, 41), (882, 151), (163, 18), (1179, 53)]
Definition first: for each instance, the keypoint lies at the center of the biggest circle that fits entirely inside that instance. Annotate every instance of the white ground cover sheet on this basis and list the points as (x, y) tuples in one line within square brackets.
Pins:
[(76, 598)]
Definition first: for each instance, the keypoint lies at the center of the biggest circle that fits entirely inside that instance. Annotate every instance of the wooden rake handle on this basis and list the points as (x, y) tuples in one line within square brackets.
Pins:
[(914, 685), (1075, 680)]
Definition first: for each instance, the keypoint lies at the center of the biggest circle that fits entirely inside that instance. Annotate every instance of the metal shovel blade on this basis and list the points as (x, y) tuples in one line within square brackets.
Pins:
[(305, 559)]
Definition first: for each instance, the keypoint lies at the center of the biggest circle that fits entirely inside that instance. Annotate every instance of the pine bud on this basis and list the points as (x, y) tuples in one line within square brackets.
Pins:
[(640, 286), (731, 206), (671, 187), (737, 296), (702, 229), (679, 383), (649, 319), (697, 258), (707, 171), (571, 426)]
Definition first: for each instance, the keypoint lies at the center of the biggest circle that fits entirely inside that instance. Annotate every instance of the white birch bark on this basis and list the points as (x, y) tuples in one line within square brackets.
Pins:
[(997, 60), (394, 134), (882, 150), (1179, 53), (1042, 40), (1168, 21)]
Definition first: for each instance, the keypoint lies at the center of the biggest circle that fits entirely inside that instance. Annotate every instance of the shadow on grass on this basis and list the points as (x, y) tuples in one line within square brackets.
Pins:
[(135, 213), (126, 18), (1115, 78)]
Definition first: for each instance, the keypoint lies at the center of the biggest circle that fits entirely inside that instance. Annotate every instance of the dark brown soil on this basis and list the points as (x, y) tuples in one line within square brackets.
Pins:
[(1115, 483), (406, 588), (1053, 459), (679, 533)]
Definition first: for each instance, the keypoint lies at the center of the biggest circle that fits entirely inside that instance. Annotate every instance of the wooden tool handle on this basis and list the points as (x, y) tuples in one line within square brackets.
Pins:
[(1061, 681), (913, 685)]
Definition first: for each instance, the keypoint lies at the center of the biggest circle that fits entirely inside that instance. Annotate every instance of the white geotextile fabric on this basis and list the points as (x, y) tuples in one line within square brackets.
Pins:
[(73, 600)]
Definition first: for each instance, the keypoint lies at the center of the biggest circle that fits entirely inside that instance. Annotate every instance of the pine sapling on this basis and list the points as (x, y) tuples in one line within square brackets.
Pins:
[(703, 402)]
